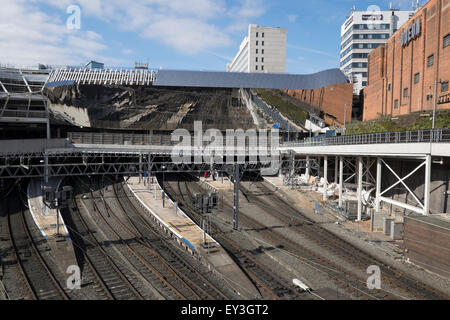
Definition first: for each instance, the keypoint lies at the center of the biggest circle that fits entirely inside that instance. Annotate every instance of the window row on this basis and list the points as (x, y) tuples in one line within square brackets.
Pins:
[(360, 46), (262, 51), (262, 59), (262, 68), (262, 43), (354, 56), (365, 36), (384, 26), (262, 34)]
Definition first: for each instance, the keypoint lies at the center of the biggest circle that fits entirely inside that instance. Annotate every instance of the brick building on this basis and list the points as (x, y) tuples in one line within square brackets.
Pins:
[(402, 73), (334, 101)]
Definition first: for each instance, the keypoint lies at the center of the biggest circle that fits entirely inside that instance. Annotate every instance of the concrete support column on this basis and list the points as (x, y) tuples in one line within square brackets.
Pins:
[(45, 168), (140, 168), (378, 192), (325, 177), (359, 192), (307, 172), (427, 191), (336, 170), (341, 180)]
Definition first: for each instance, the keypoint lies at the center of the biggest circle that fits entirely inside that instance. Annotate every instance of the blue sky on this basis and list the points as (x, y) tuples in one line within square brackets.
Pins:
[(172, 34)]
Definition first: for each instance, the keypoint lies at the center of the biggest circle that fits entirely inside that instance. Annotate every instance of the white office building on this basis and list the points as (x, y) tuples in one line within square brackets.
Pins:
[(362, 32), (262, 51)]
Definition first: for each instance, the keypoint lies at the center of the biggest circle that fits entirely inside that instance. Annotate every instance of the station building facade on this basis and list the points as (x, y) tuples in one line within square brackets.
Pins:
[(411, 72)]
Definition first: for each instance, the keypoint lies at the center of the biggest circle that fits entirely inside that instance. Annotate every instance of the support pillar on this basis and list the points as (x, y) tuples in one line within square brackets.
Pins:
[(427, 191), (378, 192), (45, 169), (236, 197), (336, 170), (292, 173), (140, 168), (341, 180), (359, 192), (307, 172), (325, 177)]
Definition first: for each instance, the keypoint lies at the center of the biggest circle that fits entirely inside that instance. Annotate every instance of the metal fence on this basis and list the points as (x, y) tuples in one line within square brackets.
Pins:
[(138, 139), (417, 136)]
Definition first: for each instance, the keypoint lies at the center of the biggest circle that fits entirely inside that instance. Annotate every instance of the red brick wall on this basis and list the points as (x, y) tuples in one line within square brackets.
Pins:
[(396, 66), (331, 100)]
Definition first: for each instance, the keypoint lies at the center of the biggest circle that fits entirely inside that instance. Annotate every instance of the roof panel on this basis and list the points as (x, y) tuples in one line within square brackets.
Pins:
[(177, 78)]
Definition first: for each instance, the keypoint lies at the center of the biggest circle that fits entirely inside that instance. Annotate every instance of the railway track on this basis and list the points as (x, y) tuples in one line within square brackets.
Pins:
[(112, 283), (282, 210), (36, 277), (157, 241), (270, 285), (172, 283)]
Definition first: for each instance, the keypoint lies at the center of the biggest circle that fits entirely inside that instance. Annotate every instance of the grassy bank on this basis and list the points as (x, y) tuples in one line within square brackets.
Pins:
[(413, 121), (291, 111)]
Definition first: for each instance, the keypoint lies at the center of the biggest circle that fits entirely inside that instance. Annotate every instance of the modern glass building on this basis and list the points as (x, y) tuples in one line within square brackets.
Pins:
[(362, 32)]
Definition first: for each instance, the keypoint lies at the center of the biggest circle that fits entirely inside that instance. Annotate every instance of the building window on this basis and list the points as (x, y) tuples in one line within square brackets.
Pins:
[(262, 51), (262, 59), (447, 40), (389, 87), (262, 68), (417, 78), (262, 43), (256, 59), (263, 34), (256, 68), (256, 51), (444, 87), (256, 42), (405, 93), (396, 104), (430, 60), (257, 34)]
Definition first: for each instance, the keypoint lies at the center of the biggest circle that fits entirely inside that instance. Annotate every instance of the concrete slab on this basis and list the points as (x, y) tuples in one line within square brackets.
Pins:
[(188, 233)]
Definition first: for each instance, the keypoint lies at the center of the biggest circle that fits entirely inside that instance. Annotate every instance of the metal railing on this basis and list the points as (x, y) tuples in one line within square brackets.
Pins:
[(416, 136), (135, 139), (103, 76)]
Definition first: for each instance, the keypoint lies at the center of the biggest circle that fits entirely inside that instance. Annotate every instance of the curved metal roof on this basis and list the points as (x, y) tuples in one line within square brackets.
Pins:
[(175, 78)]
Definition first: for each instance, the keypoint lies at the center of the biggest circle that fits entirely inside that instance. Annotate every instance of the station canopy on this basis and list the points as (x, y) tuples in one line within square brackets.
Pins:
[(205, 79)]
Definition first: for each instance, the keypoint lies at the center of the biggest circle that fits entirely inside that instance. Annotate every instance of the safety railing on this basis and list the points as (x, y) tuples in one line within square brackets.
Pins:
[(139, 139), (416, 136)]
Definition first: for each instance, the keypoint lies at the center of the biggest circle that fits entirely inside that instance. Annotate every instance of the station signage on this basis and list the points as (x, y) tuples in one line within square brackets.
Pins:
[(411, 33)]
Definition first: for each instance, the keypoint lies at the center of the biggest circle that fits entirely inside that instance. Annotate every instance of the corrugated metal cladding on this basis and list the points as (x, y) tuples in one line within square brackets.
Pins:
[(174, 78)]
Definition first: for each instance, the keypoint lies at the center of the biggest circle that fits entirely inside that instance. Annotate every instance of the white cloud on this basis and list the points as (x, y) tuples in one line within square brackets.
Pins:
[(189, 26), (30, 36)]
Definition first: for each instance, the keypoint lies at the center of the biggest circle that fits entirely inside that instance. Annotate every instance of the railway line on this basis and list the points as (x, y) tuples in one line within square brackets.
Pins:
[(400, 286), (157, 240), (281, 209), (270, 285), (172, 276), (113, 283), (36, 278)]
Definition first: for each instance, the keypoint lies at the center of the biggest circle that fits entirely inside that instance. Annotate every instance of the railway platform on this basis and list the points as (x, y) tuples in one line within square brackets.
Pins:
[(191, 236), (47, 221)]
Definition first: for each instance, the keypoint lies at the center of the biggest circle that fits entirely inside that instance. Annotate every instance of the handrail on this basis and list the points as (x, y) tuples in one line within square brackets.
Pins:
[(415, 136)]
